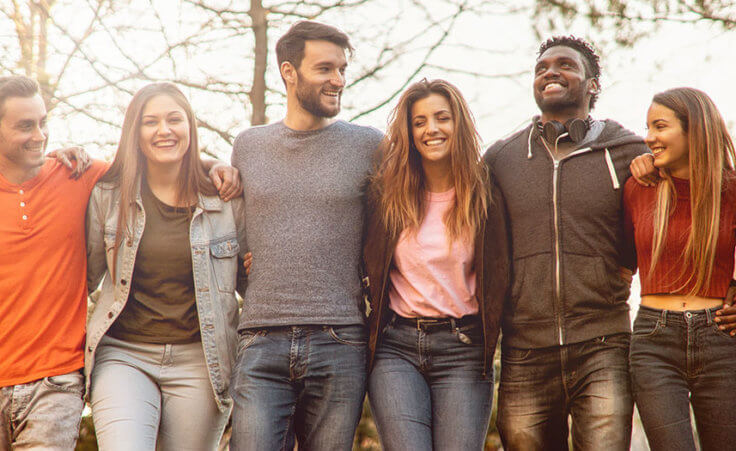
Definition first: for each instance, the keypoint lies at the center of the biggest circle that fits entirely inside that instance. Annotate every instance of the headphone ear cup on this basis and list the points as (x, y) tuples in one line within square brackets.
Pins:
[(576, 129), (552, 130)]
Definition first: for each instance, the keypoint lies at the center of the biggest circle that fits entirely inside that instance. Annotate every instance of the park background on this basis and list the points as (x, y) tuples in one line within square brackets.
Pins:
[(90, 56)]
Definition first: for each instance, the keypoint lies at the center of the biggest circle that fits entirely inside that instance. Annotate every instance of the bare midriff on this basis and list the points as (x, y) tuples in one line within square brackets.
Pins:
[(679, 302)]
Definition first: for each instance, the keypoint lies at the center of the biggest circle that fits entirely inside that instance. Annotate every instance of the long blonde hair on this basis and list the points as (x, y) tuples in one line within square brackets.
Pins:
[(400, 178), (711, 155), (130, 163)]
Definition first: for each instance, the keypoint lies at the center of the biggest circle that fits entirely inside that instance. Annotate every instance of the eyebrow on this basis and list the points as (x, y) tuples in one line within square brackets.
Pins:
[(24, 122)]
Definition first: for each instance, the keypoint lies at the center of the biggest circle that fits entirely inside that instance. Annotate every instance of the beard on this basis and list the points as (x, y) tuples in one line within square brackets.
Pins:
[(571, 100), (309, 95)]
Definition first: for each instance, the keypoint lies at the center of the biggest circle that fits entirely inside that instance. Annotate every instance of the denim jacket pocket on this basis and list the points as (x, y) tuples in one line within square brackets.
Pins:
[(224, 261)]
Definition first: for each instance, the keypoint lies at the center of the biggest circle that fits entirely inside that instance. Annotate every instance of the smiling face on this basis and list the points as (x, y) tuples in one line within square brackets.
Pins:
[(320, 78), (560, 83), (23, 135), (164, 131), (432, 128), (667, 141)]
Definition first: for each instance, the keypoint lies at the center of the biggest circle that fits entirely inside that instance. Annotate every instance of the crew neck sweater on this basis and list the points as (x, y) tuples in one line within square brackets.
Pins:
[(304, 217), (668, 276)]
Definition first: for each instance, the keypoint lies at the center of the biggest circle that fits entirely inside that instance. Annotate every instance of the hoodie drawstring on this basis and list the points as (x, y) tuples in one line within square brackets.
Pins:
[(611, 169), (529, 146)]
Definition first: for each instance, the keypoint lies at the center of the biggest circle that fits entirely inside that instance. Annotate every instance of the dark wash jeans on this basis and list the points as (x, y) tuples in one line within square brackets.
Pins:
[(678, 359), (303, 381), (588, 381), (427, 389)]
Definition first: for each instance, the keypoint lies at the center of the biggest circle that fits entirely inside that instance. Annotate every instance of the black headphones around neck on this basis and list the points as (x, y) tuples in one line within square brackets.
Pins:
[(575, 128)]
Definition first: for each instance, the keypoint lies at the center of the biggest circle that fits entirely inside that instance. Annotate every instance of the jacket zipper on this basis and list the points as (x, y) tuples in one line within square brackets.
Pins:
[(556, 218)]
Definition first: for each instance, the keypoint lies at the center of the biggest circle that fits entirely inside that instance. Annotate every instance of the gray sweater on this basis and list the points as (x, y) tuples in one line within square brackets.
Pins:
[(304, 215)]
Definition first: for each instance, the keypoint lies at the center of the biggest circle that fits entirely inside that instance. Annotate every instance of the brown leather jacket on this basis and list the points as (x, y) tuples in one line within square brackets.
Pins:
[(492, 269)]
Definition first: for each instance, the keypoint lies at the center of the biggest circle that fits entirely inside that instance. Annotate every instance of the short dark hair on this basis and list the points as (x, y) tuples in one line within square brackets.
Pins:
[(585, 49), (290, 47), (16, 86)]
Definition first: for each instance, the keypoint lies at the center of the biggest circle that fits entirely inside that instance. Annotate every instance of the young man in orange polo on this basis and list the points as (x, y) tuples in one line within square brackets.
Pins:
[(43, 287)]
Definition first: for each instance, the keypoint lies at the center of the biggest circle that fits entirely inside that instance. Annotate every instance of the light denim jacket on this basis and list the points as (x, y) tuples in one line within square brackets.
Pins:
[(216, 236)]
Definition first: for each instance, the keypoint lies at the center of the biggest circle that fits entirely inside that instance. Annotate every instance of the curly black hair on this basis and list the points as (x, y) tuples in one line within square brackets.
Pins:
[(585, 49)]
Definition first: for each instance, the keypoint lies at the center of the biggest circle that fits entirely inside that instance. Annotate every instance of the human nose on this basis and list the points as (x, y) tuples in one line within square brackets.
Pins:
[(163, 128), (649, 138), (338, 79), (432, 126), (40, 133)]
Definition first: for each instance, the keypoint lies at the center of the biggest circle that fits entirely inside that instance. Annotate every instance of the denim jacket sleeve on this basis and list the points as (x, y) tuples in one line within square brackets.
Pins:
[(96, 257), (238, 206)]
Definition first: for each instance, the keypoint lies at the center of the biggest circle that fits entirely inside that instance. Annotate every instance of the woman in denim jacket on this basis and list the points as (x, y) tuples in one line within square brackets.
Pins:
[(683, 230), (162, 338), (436, 255)]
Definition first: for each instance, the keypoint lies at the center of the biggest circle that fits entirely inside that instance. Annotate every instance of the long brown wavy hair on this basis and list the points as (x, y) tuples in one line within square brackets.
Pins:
[(400, 178), (711, 162), (130, 163)]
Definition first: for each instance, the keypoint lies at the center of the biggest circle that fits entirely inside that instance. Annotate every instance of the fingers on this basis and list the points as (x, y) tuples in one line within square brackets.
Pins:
[(227, 181), (237, 186), (83, 162), (643, 170), (67, 155), (726, 319), (215, 177), (247, 262), (226, 190)]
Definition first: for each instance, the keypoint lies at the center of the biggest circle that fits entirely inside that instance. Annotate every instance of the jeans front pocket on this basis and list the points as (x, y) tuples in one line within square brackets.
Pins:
[(353, 335), (70, 382)]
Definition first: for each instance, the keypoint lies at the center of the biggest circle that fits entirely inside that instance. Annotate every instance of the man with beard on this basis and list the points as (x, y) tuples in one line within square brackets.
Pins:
[(566, 326), (300, 369)]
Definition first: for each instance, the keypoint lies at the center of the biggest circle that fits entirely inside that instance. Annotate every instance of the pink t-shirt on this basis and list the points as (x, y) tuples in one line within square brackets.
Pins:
[(433, 277)]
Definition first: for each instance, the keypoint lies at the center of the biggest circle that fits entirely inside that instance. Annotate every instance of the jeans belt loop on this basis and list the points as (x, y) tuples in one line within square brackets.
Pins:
[(453, 326), (664, 317), (708, 317)]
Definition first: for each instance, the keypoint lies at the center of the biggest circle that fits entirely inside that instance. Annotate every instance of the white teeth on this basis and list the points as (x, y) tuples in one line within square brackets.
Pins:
[(552, 85), (165, 143), (658, 150), (434, 142)]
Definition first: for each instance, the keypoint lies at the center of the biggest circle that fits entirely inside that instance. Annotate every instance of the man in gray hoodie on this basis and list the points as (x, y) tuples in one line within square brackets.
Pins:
[(566, 324)]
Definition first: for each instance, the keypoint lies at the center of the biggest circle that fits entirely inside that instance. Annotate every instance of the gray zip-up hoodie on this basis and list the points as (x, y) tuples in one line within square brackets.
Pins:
[(567, 235)]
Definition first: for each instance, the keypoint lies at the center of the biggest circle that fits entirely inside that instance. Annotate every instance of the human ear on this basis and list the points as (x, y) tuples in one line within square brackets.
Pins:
[(288, 72)]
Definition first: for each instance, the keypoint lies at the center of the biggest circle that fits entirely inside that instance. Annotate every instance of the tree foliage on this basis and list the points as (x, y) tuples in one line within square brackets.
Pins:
[(90, 56)]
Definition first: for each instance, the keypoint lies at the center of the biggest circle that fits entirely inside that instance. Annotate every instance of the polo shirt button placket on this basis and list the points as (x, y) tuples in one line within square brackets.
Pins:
[(24, 216)]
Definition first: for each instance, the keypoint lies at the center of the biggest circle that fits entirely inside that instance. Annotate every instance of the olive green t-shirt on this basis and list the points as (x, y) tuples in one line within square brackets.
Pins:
[(161, 307)]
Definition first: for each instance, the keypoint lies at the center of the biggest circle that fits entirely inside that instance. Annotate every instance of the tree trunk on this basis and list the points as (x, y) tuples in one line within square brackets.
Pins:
[(257, 92)]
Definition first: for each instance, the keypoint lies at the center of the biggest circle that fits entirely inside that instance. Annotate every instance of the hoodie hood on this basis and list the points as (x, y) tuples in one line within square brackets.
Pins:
[(613, 135), (602, 134)]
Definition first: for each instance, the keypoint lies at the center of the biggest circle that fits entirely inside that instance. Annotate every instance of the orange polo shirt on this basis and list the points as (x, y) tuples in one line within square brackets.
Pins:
[(43, 273)]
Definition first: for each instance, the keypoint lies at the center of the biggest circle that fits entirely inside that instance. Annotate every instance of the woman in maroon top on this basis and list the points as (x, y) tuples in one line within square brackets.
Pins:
[(683, 233)]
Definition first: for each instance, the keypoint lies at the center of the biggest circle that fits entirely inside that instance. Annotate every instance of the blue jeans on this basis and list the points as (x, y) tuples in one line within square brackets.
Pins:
[(427, 390), (42, 414), (680, 359), (588, 381), (303, 381)]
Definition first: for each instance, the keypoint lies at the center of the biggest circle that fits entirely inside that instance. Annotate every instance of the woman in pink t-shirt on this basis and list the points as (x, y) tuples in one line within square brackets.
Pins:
[(437, 269)]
